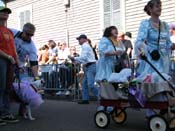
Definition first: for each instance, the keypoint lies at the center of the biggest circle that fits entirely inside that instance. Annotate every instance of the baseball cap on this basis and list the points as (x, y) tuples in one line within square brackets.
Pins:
[(82, 36), (128, 34), (3, 8)]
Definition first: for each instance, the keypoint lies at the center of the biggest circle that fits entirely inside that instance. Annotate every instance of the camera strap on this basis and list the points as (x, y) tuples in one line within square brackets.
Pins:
[(114, 48), (158, 41)]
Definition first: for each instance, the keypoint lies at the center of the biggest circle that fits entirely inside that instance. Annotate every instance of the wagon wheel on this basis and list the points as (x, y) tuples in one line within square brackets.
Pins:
[(158, 123), (119, 116), (101, 119)]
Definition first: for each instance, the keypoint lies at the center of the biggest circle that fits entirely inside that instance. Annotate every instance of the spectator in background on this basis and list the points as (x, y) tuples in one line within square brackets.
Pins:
[(8, 57), (172, 38), (86, 58), (73, 68), (128, 36), (39, 53), (64, 70), (133, 61), (63, 53), (73, 52), (172, 32), (52, 52), (50, 72), (126, 43), (44, 55), (25, 47), (58, 47)]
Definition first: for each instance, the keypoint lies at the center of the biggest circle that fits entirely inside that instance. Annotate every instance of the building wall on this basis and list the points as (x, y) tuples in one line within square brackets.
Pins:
[(135, 14), (50, 19), (83, 16)]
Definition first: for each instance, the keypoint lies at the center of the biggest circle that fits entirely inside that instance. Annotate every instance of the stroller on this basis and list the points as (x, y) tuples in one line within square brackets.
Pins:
[(133, 94)]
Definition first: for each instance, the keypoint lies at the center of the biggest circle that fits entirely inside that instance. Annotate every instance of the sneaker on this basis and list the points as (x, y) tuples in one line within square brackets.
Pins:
[(83, 102), (2, 123), (9, 119), (67, 93), (58, 93)]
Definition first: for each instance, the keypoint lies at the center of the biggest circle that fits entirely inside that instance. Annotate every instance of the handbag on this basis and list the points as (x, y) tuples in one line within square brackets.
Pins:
[(155, 55), (119, 65)]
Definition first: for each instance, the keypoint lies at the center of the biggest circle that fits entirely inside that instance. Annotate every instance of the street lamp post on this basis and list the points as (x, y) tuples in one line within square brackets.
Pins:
[(67, 6)]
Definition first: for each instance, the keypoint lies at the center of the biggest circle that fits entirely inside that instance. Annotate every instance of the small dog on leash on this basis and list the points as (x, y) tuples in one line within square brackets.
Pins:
[(29, 94)]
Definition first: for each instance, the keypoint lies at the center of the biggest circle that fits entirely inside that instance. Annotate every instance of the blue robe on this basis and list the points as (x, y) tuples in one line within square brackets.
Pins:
[(150, 34), (105, 64)]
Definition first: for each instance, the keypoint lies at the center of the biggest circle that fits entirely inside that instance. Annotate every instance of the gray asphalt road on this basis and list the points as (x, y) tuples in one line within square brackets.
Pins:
[(56, 115)]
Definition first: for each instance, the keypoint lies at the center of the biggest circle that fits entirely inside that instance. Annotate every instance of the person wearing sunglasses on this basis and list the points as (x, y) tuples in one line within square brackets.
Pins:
[(26, 48)]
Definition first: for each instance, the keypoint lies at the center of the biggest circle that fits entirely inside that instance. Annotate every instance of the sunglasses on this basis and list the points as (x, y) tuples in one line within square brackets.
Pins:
[(29, 34), (4, 11)]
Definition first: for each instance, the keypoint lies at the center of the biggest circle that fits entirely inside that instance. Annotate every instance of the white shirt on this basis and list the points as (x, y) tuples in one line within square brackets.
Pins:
[(172, 39), (52, 52), (86, 55), (25, 48), (63, 55)]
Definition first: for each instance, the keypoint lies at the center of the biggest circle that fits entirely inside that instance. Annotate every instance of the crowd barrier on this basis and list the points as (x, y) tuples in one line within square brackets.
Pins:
[(61, 77)]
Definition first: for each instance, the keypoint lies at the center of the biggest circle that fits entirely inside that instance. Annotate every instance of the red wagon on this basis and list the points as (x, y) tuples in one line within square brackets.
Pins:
[(111, 97)]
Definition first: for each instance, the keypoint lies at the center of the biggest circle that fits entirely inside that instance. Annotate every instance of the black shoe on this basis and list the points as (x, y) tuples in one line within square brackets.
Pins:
[(2, 123), (9, 119), (83, 102)]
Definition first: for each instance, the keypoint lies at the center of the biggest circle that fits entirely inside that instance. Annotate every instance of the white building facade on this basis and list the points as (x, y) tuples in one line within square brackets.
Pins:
[(54, 21)]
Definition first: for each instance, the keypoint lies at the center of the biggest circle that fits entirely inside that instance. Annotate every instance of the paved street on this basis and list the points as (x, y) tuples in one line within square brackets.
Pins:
[(59, 115)]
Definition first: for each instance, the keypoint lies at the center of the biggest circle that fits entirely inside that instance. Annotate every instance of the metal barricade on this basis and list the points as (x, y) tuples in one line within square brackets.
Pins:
[(61, 78)]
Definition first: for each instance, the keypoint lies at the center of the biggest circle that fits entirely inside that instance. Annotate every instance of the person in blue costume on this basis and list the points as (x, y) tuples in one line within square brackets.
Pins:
[(107, 53), (153, 35), (107, 56)]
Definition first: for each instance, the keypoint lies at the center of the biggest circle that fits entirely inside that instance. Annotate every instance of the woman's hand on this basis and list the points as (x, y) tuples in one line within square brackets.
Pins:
[(118, 52), (11, 59)]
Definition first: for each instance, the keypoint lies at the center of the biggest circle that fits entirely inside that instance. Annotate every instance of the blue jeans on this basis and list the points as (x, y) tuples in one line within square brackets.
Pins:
[(88, 82), (4, 91)]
